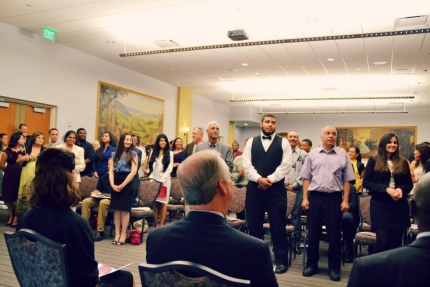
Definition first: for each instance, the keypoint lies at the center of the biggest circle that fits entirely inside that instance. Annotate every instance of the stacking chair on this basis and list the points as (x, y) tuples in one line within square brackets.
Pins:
[(177, 206), (37, 260), (168, 274), (238, 205), (291, 200), (148, 193), (364, 237)]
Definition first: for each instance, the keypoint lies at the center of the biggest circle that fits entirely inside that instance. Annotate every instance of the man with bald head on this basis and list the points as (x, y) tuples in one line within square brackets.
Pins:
[(326, 173), (212, 129), (204, 237), (405, 266)]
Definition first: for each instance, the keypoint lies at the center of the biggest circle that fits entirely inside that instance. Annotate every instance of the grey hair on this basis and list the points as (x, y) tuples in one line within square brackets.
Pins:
[(200, 129), (209, 123), (199, 175), (422, 200), (326, 127)]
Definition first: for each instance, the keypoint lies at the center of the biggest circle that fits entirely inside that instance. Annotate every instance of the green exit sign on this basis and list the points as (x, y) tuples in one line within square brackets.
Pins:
[(48, 34)]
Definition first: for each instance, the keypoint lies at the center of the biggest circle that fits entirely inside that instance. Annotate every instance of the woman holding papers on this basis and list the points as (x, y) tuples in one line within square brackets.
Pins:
[(54, 191)]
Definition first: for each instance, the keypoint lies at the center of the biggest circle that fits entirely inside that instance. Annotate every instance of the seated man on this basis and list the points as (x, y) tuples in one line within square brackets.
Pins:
[(103, 186), (350, 221), (203, 236), (405, 266)]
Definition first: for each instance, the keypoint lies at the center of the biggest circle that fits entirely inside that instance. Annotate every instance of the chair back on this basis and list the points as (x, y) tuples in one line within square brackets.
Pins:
[(175, 190), (291, 201), (365, 209), (148, 191), (238, 201), (167, 275), (37, 260), (88, 184)]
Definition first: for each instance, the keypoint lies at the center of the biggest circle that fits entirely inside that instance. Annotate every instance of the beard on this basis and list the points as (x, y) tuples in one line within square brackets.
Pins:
[(266, 133)]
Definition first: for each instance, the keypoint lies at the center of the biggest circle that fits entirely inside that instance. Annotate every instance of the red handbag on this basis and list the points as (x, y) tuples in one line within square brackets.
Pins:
[(135, 237), (163, 192)]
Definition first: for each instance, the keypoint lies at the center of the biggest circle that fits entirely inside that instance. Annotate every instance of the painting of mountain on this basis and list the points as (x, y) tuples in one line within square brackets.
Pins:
[(121, 110)]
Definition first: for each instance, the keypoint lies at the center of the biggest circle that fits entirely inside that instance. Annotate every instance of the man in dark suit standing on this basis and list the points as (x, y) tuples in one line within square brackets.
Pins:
[(267, 161), (405, 266), (197, 135), (204, 236)]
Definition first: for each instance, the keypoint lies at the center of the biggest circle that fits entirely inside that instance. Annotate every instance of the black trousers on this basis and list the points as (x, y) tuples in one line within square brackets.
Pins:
[(324, 208), (349, 228), (296, 214), (274, 202)]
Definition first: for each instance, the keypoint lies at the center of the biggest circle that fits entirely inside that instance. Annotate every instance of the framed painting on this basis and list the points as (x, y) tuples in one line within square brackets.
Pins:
[(121, 110), (367, 139)]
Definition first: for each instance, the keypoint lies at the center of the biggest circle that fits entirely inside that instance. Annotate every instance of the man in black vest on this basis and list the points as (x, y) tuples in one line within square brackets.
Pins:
[(267, 160)]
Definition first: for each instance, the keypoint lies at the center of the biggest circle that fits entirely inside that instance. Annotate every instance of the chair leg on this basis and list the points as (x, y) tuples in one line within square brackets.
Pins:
[(304, 252)]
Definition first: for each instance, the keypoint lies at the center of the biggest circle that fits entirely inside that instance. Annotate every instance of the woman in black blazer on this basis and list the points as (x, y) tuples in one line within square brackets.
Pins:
[(388, 179)]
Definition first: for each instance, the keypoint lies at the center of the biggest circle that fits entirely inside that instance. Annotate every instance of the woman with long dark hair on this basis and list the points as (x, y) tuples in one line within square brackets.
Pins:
[(388, 179), (28, 172), (122, 169), (3, 145), (103, 154), (357, 165), (160, 167), (421, 156), (13, 156), (54, 191)]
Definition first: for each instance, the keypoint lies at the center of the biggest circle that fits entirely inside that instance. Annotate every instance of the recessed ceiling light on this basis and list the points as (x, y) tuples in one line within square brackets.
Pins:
[(171, 69), (379, 63), (257, 73), (330, 59), (111, 42), (244, 64), (245, 124)]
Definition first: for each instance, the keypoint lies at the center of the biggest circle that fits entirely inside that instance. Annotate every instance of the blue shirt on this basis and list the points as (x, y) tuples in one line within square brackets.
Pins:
[(102, 166), (327, 171), (121, 166)]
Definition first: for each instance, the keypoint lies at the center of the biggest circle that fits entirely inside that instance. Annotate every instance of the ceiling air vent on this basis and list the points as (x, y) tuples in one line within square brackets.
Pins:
[(402, 71), (411, 22)]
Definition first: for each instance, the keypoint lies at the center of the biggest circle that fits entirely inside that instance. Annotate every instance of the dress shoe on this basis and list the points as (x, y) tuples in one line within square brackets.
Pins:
[(281, 268), (99, 236), (297, 251), (334, 275), (348, 258), (309, 271)]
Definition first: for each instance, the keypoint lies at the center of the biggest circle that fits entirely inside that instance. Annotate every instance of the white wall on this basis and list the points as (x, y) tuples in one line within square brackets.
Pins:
[(205, 110), (310, 126), (38, 70)]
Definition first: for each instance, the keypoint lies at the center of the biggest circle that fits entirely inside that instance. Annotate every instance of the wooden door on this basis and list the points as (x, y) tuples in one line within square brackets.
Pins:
[(37, 122), (7, 119)]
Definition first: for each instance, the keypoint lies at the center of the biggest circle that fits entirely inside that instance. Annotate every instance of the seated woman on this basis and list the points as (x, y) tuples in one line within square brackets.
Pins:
[(54, 191)]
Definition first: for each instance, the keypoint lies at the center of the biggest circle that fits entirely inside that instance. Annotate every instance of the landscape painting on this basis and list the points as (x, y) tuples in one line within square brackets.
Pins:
[(121, 110), (367, 138)]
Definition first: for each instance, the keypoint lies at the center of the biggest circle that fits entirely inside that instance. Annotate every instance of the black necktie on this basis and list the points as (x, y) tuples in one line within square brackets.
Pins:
[(267, 138)]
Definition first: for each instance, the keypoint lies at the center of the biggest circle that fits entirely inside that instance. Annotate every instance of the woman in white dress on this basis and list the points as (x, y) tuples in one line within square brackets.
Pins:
[(69, 144), (421, 155), (160, 167)]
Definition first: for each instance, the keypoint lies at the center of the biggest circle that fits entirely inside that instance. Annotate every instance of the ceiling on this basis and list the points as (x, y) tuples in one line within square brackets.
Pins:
[(389, 66)]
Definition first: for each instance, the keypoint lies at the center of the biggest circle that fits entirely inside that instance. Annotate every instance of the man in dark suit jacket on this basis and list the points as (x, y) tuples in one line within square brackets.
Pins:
[(405, 266), (197, 135), (203, 236)]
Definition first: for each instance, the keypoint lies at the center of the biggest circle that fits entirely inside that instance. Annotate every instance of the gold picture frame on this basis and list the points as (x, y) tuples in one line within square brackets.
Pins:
[(122, 110), (367, 138)]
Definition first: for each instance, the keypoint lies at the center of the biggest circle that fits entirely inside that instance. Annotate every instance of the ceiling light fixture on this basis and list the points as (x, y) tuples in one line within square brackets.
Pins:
[(378, 63), (280, 41), (245, 64), (330, 59), (111, 42), (245, 124), (322, 99)]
